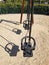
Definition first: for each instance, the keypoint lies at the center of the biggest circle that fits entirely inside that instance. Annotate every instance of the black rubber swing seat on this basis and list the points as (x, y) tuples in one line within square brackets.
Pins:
[(27, 47)]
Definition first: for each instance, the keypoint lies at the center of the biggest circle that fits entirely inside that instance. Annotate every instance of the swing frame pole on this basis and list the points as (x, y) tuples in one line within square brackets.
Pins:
[(22, 11), (32, 21)]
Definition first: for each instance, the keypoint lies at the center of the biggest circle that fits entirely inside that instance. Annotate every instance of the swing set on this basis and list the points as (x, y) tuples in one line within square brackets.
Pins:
[(27, 43)]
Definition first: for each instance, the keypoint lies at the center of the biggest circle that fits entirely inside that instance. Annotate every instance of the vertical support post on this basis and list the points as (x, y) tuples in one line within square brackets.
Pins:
[(22, 11), (32, 21), (28, 12)]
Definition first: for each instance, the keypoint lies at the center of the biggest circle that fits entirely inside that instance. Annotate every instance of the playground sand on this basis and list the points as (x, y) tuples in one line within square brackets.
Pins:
[(40, 32)]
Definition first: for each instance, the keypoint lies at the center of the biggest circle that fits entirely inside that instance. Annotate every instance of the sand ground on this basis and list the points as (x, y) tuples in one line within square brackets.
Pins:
[(40, 32)]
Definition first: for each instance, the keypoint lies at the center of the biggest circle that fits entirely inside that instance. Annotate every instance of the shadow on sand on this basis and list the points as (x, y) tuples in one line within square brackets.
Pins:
[(11, 48), (15, 30), (17, 23)]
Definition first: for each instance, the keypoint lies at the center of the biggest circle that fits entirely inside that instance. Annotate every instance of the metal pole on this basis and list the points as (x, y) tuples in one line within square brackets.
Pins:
[(28, 12), (22, 11), (32, 21)]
